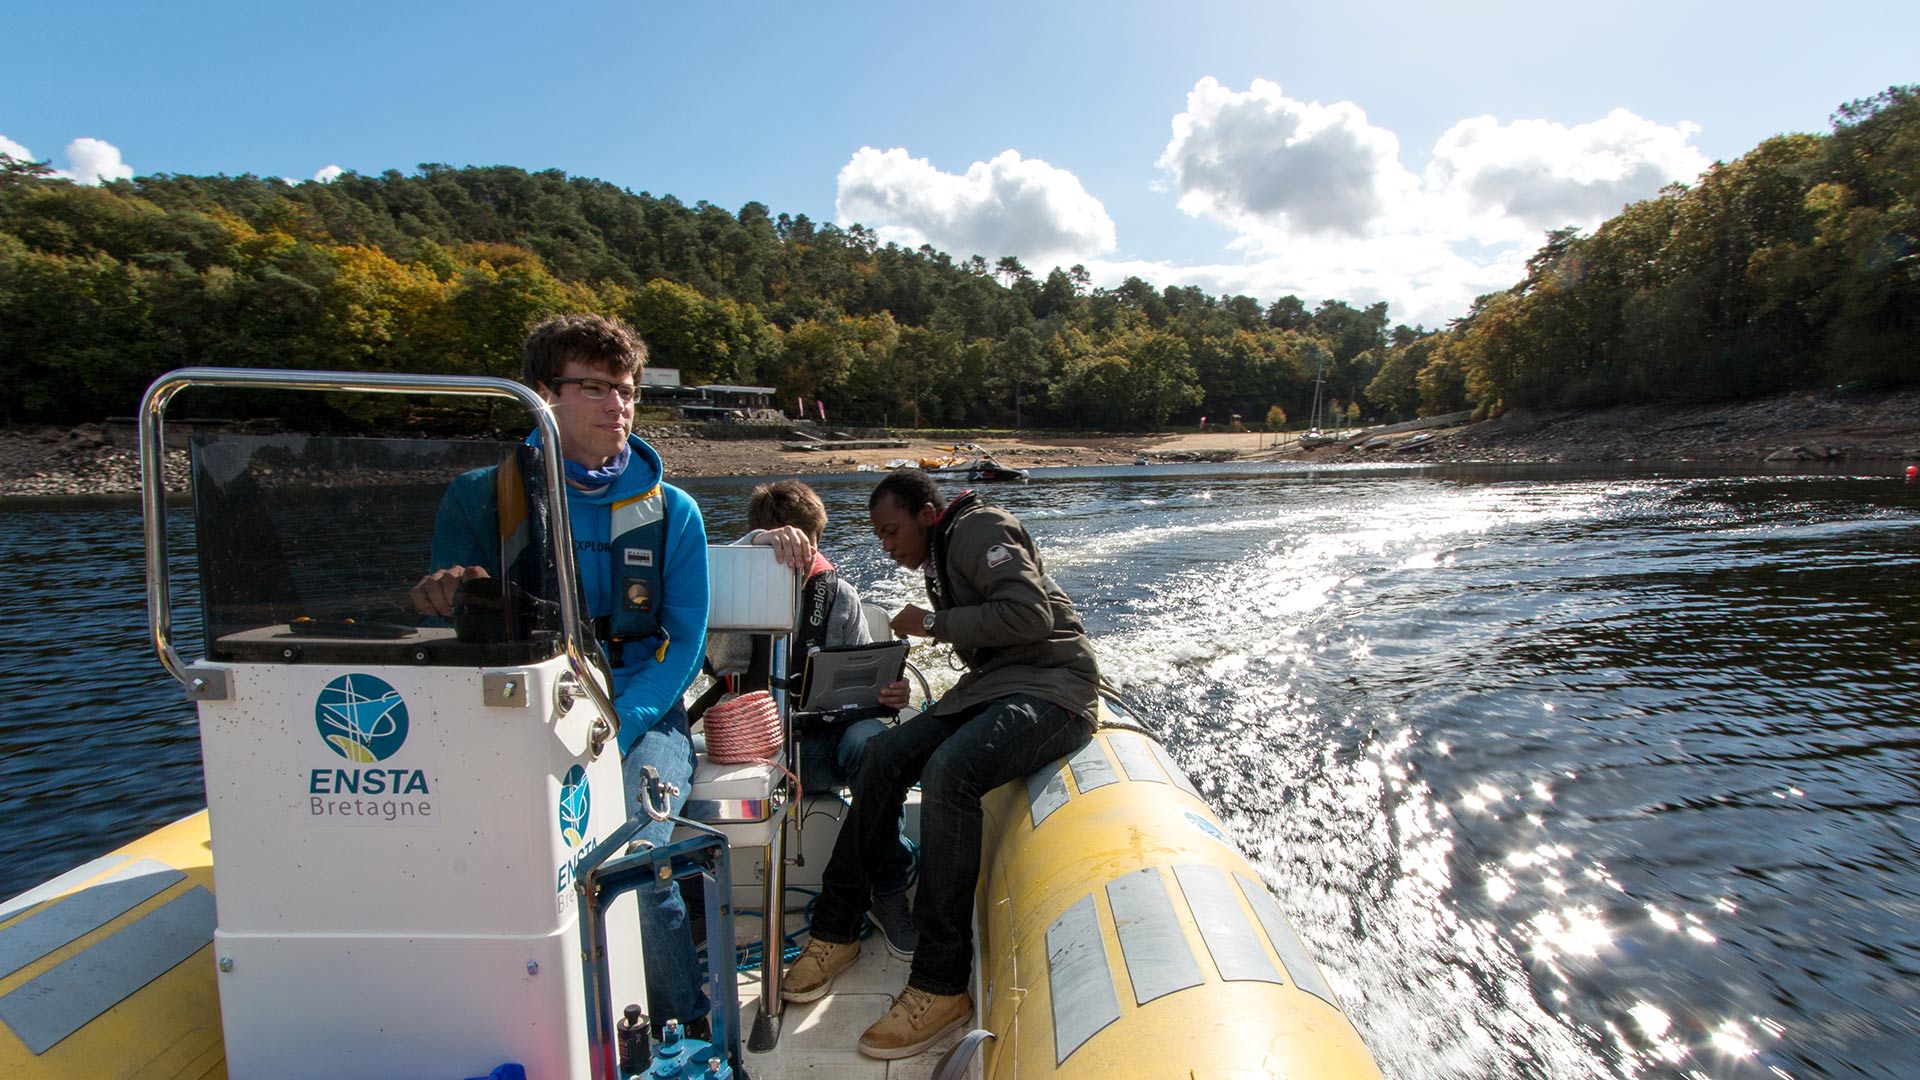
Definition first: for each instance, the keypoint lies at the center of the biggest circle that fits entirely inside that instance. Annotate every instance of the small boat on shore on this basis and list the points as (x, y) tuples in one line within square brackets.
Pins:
[(972, 464), (420, 833)]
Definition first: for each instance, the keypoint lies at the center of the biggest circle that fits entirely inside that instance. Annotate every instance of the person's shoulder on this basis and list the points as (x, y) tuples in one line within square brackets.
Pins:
[(474, 484), (995, 512), (685, 524), (845, 594), (982, 519), (848, 623), (676, 498)]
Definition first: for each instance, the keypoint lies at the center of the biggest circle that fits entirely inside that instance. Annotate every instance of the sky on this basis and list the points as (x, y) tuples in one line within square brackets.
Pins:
[(1409, 152)]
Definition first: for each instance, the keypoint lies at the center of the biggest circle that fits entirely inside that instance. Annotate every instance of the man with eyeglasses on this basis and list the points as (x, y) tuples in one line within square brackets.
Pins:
[(641, 549)]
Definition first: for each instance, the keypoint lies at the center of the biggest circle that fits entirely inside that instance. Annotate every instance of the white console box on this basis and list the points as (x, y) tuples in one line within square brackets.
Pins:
[(394, 861)]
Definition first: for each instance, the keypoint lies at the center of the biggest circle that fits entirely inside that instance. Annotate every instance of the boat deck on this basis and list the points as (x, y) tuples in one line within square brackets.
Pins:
[(819, 1039)]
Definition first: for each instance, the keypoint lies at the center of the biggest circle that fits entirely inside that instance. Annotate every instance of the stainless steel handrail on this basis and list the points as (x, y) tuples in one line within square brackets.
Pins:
[(153, 487)]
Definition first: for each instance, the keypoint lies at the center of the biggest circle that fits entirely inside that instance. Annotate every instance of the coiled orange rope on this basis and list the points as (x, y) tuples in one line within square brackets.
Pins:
[(743, 730), (746, 731)]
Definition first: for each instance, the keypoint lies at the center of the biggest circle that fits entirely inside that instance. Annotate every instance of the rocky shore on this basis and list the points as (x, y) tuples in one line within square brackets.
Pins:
[(78, 461), (1855, 426), (1874, 430)]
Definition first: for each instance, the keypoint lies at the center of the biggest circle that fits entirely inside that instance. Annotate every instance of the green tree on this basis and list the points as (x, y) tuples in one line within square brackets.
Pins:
[(1162, 380), (75, 329), (1018, 360), (1093, 390), (1396, 389), (676, 324)]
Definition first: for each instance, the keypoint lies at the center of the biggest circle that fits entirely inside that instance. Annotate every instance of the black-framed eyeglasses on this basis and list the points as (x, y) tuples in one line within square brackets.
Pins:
[(598, 389)]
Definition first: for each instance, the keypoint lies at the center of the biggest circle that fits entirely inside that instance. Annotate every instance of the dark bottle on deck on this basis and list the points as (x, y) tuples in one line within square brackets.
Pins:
[(636, 1042)]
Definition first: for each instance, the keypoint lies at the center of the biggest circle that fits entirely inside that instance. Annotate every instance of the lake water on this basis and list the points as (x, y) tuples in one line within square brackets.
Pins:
[(1559, 772)]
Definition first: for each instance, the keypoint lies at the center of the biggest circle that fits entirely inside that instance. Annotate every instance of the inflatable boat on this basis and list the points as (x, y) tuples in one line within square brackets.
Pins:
[(415, 860)]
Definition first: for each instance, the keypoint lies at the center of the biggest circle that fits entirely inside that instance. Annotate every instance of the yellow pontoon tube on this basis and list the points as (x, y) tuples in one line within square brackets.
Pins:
[(1125, 936), (112, 970)]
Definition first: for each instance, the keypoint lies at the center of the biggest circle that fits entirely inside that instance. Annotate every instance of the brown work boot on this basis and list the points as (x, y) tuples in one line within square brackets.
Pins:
[(915, 1022), (812, 972)]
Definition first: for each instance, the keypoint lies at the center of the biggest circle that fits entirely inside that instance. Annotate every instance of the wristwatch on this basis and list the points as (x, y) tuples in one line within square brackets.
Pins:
[(926, 623)]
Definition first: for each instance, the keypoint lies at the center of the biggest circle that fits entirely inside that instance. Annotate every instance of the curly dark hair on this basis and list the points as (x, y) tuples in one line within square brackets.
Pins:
[(602, 342), (911, 488)]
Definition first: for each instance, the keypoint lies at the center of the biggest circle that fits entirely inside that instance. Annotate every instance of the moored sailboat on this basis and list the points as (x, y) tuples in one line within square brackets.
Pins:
[(1314, 438)]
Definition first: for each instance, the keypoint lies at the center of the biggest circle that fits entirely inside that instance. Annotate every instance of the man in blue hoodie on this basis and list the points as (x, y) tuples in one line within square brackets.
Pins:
[(641, 550)]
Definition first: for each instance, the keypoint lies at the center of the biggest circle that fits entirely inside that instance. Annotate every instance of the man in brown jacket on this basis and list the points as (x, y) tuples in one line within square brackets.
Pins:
[(1027, 698)]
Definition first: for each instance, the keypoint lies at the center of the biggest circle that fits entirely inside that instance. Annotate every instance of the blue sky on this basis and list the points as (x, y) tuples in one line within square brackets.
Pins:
[(1411, 152)]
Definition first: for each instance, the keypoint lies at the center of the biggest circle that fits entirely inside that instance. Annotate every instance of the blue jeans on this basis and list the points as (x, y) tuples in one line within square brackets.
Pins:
[(675, 981), (957, 759), (830, 758)]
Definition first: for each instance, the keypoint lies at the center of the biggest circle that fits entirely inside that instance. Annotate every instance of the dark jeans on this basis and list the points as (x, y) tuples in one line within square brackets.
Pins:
[(957, 759), (829, 758)]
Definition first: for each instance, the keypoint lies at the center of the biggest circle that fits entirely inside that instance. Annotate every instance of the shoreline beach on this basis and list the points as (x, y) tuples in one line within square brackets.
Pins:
[(1879, 427)]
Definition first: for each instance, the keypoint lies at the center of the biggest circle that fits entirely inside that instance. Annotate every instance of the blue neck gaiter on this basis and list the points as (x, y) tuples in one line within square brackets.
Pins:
[(606, 474)]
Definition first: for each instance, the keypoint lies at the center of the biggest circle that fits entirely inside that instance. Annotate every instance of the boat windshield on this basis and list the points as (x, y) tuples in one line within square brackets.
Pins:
[(308, 547)]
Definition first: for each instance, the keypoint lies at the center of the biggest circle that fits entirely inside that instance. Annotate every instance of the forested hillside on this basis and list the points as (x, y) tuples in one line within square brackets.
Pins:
[(1797, 265)]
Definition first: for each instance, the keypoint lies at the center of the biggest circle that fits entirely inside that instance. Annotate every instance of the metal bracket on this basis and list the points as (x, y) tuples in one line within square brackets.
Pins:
[(656, 795), (504, 689), (208, 684), (566, 691)]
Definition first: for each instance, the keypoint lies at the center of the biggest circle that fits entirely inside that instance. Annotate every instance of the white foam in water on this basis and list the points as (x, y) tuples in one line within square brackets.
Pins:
[(1254, 598), (1410, 698)]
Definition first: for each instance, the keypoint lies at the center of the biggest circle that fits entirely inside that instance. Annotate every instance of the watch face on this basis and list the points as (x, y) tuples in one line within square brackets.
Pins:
[(927, 622)]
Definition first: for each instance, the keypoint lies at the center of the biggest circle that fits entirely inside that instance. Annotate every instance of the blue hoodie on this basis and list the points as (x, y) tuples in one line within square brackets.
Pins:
[(644, 688)]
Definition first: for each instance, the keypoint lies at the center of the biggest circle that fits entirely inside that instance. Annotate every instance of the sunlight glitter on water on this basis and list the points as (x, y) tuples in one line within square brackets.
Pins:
[(1457, 727), (1367, 813), (1578, 930)]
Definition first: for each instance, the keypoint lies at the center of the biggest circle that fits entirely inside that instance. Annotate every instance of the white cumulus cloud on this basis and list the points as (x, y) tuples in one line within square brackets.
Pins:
[(1324, 206), (89, 161), (327, 174), (1263, 162), (1527, 176), (1007, 206)]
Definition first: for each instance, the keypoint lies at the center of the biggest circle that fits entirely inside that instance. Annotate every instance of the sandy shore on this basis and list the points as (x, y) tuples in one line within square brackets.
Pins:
[(1879, 430)]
